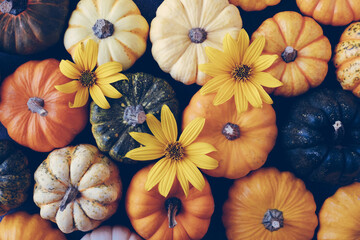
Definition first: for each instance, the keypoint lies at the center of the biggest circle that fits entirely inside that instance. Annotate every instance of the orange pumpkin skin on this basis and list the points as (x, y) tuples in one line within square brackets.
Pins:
[(40, 133), (304, 68), (249, 151), (267, 189), (21, 225), (339, 215), (148, 215), (251, 5), (329, 12), (347, 59)]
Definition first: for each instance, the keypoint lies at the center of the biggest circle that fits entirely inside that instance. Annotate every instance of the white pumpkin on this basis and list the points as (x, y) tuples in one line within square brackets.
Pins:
[(111, 233), (116, 25), (77, 188), (183, 28)]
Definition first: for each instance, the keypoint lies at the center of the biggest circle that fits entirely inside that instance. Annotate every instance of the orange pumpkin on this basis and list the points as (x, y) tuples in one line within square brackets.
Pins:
[(148, 211), (35, 114), (268, 204), (251, 5), (347, 59), (330, 12), (243, 141), (21, 225), (303, 50), (340, 214)]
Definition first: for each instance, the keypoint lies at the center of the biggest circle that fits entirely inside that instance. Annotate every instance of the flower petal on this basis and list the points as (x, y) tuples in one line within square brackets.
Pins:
[(108, 69), (192, 131), (69, 87), (168, 124), (231, 49), (243, 43), (98, 97), (91, 54), (204, 161), (168, 180), (182, 179), (254, 51), (212, 69), (155, 127), (145, 153), (251, 94), (240, 100), (79, 56), (111, 79), (225, 92), (110, 91), (264, 95), (157, 172), (264, 62), (219, 58), (199, 148), (215, 83), (266, 80), (193, 174), (81, 98), (146, 139), (69, 69)]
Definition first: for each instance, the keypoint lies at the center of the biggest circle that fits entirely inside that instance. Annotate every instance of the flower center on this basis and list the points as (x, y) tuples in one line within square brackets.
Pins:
[(241, 72), (174, 151), (87, 78)]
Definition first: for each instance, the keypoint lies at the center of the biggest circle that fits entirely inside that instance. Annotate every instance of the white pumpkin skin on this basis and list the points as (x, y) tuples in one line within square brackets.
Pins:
[(125, 43), (172, 47), (95, 178), (111, 233)]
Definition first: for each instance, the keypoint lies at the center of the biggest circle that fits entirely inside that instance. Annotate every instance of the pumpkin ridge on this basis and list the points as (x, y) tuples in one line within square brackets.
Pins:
[(311, 42), (129, 52), (52, 174), (307, 81), (301, 30), (314, 58), (315, 6), (351, 9), (280, 30)]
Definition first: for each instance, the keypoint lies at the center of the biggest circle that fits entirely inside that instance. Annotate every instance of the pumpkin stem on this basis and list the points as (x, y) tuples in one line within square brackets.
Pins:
[(173, 207), (231, 131), (197, 35), (289, 54), (36, 105), (13, 7), (103, 28), (273, 220), (339, 131), (70, 195), (134, 115)]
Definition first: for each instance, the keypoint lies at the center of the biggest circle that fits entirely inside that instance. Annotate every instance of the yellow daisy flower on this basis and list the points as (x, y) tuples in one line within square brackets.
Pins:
[(88, 79), (180, 158), (237, 71)]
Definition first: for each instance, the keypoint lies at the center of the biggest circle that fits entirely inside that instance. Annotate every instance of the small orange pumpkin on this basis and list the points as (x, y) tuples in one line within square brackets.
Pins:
[(251, 5), (243, 141), (21, 225), (303, 50), (268, 204), (174, 217), (35, 114)]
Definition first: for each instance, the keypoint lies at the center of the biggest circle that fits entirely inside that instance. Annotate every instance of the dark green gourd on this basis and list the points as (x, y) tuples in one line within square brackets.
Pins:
[(321, 137), (142, 94), (15, 177)]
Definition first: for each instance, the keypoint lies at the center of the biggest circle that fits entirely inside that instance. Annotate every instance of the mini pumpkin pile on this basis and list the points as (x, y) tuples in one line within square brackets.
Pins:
[(228, 127)]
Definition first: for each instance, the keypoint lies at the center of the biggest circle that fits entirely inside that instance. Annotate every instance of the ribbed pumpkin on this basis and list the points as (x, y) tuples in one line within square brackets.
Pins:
[(268, 204), (330, 12), (339, 215), (142, 94), (302, 48), (251, 5), (15, 176), (77, 187), (175, 217), (21, 225), (183, 28), (347, 59), (116, 25), (30, 26), (111, 233), (320, 137), (243, 141)]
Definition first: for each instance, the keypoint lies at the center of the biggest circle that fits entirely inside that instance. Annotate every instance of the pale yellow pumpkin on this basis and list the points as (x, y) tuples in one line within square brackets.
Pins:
[(77, 187), (116, 25), (111, 233), (183, 28)]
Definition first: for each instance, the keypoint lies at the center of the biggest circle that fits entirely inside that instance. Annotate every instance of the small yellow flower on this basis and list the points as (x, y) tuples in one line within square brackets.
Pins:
[(88, 79), (237, 71), (180, 158)]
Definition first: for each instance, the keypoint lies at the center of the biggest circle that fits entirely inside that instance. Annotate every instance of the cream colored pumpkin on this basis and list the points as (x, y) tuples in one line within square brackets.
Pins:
[(77, 187), (111, 233), (183, 28), (116, 25)]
